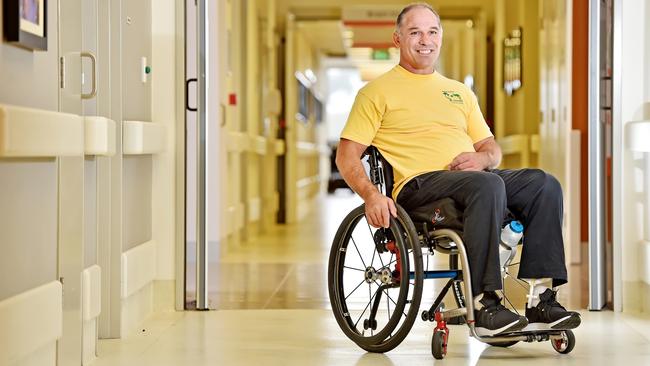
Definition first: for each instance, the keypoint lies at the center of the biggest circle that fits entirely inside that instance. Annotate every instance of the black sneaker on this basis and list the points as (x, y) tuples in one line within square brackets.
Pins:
[(549, 314), (495, 319)]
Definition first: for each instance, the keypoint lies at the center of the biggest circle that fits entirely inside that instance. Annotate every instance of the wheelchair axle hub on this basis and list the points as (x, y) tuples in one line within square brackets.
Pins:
[(383, 274)]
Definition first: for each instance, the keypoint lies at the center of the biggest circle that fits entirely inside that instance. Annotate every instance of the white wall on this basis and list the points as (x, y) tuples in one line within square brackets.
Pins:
[(163, 110), (632, 103)]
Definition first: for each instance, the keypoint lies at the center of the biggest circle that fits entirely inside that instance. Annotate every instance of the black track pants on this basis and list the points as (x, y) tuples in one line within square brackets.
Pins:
[(533, 196)]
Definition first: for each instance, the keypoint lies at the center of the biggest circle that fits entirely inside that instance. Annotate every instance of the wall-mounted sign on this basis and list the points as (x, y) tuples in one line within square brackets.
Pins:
[(375, 14)]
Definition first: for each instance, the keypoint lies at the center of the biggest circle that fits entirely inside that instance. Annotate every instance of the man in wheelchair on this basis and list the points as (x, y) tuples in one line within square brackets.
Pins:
[(431, 131)]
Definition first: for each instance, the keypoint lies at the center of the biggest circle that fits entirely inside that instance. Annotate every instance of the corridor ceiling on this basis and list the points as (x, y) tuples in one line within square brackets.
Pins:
[(339, 29)]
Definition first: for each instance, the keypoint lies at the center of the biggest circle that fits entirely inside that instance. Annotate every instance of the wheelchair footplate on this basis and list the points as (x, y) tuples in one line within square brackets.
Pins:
[(562, 340)]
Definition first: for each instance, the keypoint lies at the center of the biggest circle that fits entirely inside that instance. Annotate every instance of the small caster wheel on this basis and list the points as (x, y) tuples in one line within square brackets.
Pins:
[(425, 315), (439, 344), (564, 344), (368, 324)]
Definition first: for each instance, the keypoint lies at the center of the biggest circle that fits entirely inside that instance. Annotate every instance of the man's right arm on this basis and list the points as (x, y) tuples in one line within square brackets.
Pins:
[(348, 160)]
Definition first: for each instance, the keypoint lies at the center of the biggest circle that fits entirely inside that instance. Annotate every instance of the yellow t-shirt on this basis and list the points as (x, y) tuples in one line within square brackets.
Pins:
[(419, 123)]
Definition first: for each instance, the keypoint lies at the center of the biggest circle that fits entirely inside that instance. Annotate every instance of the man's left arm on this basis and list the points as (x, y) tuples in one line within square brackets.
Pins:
[(487, 156)]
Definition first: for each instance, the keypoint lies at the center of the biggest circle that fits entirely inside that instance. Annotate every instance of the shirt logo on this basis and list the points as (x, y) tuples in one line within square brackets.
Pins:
[(453, 96)]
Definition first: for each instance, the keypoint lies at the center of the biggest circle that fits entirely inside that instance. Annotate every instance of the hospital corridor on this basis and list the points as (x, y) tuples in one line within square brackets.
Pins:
[(174, 188)]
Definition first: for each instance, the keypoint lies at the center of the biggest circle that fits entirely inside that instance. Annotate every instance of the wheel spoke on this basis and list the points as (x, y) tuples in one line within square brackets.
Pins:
[(387, 304), (366, 308), (519, 282), (359, 285), (506, 297), (391, 299), (372, 235), (372, 261), (355, 269), (358, 252), (380, 260), (391, 262), (370, 291)]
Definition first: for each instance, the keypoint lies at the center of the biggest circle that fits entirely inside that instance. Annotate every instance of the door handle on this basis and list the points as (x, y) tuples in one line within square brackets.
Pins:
[(93, 90), (187, 94)]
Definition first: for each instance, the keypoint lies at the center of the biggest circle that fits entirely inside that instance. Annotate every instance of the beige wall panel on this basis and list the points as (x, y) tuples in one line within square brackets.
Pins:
[(164, 113), (499, 95), (70, 255), (28, 224), (28, 194), (631, 103), (300, 57), (531, 68), (179, 143), (137, 200), (110, 23), (136, 43), (90, 212), (70, 189), (30, 323), (270, 76), (514, 104)]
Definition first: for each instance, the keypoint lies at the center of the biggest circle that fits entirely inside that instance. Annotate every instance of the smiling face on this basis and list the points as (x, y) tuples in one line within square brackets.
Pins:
[(419, 38)]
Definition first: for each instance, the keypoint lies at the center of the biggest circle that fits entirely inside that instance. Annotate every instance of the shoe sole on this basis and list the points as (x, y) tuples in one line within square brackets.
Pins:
[(568, 322), (512, 327)]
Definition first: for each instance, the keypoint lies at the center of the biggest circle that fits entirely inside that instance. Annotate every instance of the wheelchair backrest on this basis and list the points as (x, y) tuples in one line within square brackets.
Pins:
[(381, 172)]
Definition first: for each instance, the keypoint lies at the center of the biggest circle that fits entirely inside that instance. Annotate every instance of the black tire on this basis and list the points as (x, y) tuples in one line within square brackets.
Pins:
[(438, 346), (566, 343), (401, 302), (502, 344)]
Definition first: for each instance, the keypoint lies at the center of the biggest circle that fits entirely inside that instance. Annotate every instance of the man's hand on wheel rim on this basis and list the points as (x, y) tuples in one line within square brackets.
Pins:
[(378, 210)]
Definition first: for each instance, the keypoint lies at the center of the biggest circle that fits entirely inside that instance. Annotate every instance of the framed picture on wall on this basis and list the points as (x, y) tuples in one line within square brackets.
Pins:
[(25, 23), (303, 103), (318, 109)]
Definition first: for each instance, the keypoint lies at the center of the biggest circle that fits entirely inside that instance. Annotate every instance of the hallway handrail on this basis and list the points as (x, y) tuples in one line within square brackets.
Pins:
[(99, 136), (30, 132), (518, 144), (143, 138)]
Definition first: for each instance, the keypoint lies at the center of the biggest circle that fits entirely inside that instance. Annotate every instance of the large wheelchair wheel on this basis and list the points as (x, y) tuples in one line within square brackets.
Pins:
[(375, 280)]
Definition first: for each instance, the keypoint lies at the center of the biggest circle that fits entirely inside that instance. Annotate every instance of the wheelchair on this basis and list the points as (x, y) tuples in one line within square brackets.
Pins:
[(375, 279)]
